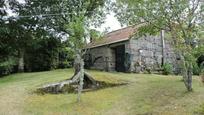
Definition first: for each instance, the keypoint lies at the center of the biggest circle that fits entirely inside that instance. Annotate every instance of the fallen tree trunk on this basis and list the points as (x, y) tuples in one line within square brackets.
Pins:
[(79, 82), (69, 85)]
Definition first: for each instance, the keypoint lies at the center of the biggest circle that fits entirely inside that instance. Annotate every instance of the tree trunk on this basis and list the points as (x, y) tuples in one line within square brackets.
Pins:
[(77, 66), (81, 78), (186, 73), (186, 69), (163, 48), (78, 82), (189, 79), (21, 60)]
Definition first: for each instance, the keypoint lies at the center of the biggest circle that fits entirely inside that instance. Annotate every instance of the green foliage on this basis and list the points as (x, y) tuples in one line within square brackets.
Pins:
[(198, 51), (40, 37), (7, 66), (66, 57), (196, 69), (78, 33), (95, 35), (150, 29), (65, 64), (183, 19), (43, 55), (202, 70), (167, 69), (202, 65)]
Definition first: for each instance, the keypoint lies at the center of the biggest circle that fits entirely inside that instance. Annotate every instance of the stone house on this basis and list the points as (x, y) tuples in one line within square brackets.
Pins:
[(121, 51)]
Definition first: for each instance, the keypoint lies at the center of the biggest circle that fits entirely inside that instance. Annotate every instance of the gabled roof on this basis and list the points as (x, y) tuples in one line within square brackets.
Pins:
[(120, 35)]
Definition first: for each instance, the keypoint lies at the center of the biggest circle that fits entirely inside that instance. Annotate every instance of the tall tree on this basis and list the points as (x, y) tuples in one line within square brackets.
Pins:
[(58, 18), (17, 32), (72, 19), (180, 18)]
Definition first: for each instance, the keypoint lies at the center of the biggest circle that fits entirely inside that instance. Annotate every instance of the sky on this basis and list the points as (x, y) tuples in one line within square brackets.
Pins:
[(111, 22)]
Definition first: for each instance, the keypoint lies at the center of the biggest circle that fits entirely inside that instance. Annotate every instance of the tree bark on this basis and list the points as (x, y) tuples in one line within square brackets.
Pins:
[(21, 60), (77, 65), (186, 69), (186, 73), (189, 79), (81, 78)]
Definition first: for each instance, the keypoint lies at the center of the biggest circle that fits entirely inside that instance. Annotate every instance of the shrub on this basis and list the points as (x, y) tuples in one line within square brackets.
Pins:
[(196, 69), (65, 64), (167, 69), (202, 65), (201, 72), (202, 75), (7, 67)]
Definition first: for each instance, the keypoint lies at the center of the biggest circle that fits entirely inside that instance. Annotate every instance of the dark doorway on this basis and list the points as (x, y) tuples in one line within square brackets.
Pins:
[(120, 58)]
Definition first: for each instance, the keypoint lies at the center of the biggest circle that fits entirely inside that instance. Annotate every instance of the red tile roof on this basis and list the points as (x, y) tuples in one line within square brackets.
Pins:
[(114, 37)]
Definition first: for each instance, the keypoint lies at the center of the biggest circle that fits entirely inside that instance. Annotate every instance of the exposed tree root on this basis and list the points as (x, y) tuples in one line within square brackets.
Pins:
[(71, 85)]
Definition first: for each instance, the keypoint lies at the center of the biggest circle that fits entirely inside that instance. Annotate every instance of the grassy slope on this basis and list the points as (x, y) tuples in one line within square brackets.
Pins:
[(146, 94)]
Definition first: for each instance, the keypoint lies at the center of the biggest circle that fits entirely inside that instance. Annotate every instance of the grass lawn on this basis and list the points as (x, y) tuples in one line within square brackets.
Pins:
[(144, 95)]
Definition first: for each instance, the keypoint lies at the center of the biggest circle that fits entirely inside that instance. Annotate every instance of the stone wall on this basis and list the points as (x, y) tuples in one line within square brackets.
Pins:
[(98, 56), (146, 53), (103, 57)]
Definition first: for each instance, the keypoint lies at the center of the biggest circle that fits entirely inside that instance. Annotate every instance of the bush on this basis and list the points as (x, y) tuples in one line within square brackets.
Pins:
[(43, 55), (196, 69), (7, 67), (202, 75), (202, 65), (202, 69), (167, 69), (65, 64)]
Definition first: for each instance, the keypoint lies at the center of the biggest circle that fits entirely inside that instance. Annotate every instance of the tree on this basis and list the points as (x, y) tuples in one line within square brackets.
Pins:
[(182, 20), (7, 60), (43, 54), (17, 32), (58, 19), (24, 33), (73, 20), (78, 39)]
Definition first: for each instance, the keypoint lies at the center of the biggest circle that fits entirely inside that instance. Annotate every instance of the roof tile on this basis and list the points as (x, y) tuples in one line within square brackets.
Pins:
[(114, 37)]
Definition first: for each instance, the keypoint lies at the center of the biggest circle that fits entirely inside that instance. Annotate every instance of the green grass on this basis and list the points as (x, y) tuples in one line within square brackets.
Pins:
[(144, 95)]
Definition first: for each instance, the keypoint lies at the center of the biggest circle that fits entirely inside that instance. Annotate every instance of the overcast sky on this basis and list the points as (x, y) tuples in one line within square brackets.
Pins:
[(111, 22)]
